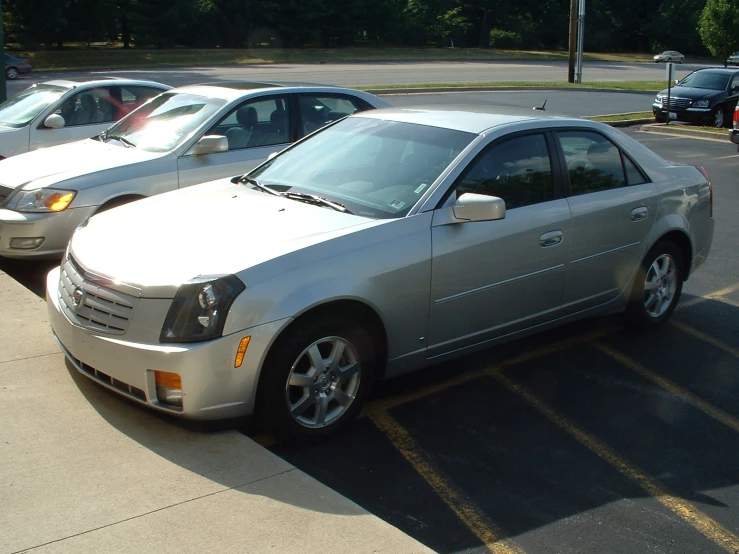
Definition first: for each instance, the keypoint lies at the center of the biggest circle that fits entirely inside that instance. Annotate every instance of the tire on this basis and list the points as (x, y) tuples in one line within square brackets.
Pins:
[(297, 399), (719, 118), (11, 73), (657, 286), (659, 119)]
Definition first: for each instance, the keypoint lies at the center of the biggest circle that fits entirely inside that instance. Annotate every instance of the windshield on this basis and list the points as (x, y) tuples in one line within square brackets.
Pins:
[(22, 108), (707, 80), (164, 122), (375, 168)]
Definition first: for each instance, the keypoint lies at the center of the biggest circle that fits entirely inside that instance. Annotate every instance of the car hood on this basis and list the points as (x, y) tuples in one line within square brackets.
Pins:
[(48, 166), (216, 228), (692, 93)]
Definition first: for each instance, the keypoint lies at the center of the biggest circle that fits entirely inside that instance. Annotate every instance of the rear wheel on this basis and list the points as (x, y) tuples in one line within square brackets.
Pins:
[(719, 119), (11, 73), (657, 286), (317, 378)]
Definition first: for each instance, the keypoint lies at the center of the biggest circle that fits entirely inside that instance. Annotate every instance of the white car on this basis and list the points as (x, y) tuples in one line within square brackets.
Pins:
[(669, 56), (55, 112), (732, 60), (182, 137)]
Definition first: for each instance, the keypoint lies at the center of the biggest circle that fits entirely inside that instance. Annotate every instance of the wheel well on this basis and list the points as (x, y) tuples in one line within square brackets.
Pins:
[(681, 240), (118, 201), (353, 308)]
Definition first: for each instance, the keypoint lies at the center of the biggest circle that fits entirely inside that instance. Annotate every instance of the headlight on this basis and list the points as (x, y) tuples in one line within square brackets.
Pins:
[(659, 98), (39, 200), (702, 104), (199, 309)]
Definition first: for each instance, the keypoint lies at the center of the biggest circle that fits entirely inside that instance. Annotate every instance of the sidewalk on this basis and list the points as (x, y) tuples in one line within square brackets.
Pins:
[(82, 470)]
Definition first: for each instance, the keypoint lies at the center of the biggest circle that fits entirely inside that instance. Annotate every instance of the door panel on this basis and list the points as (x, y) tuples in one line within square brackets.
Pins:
[(494, 277), (200, 169)]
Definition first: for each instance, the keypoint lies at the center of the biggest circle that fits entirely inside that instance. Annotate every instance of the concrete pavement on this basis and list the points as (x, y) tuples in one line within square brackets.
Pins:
[(84, 471)]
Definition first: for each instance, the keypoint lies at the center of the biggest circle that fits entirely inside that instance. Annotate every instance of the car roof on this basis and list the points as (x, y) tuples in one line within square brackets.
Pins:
[(229, 90), (470, 119), (82, 82), (717, 70)]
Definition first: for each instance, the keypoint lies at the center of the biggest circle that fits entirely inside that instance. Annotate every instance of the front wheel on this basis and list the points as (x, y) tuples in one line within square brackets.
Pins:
[(657, 286), (317, 378)]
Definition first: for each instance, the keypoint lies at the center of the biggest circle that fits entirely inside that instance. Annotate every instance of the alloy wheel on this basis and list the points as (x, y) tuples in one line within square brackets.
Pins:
[(11, 73), (660, 285), (718, 118)]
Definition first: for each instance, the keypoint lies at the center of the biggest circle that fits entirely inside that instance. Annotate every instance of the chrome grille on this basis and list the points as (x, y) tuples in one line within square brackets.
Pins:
[(99, 308), (677, 102)]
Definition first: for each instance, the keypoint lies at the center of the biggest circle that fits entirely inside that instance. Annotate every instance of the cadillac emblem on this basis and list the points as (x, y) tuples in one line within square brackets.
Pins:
[(78, 297)]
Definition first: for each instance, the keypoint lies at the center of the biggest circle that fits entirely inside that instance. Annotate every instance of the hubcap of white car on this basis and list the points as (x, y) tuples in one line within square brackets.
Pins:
[(660, 285), (323, 382)]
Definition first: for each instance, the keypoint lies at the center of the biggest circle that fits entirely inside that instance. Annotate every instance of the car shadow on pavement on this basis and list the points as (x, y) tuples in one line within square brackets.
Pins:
[(30, 274)]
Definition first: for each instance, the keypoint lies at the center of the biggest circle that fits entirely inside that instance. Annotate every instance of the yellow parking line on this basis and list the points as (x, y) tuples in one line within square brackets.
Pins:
[(718, 295), (686, 511), (465, 509), (710, 410), (706, 338)]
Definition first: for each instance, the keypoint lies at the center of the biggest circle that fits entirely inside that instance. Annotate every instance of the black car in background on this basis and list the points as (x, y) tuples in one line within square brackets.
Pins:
[(15, 66), (705, 96)]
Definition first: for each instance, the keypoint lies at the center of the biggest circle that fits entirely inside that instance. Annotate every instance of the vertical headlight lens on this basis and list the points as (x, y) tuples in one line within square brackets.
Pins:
[(198, 311)]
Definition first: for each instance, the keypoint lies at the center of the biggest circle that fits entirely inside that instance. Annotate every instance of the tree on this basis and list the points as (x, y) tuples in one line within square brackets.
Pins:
[(719, 27)]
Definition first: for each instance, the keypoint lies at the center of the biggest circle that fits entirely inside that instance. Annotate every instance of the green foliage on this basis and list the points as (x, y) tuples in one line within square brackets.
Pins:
[(504, 39), (719, 27)]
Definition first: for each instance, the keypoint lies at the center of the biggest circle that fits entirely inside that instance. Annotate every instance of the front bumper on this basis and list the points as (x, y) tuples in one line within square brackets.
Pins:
[(212, 387), (689, 115), (55, 228), (734, 136)]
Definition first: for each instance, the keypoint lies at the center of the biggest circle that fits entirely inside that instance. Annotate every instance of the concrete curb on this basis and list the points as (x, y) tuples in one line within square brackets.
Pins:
[(682, 130)]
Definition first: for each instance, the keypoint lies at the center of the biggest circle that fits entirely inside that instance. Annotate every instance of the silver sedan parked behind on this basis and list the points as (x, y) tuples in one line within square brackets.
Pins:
[(386, 242), (182, 137), (55, 112), (669, 56)]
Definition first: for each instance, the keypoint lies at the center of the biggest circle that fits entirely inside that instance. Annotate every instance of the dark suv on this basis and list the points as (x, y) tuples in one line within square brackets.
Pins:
[(705, 96)]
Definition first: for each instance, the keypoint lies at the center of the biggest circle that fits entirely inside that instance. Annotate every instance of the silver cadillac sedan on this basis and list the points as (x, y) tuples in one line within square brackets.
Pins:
[(384, 243), (185, 136)]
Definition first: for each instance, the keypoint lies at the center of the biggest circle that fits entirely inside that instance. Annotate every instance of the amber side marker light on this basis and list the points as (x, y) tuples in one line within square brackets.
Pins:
[(169, 388), (243, 345)]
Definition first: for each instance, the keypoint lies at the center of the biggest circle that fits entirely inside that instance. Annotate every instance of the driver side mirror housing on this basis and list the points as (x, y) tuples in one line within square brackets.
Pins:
[(54, 121), (471, 207), (210, 144)]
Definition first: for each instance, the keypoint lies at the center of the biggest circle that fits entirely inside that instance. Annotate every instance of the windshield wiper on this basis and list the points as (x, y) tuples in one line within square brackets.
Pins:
[(257, 184), (317, 200), (123, 140)]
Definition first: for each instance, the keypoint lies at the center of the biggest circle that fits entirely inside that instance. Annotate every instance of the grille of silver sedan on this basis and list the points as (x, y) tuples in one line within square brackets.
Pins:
[(92, 306)]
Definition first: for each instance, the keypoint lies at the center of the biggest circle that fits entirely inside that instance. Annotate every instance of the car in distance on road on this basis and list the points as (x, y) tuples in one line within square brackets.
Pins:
[(705, 96), (734, 131), (15, 66), (385, 242), (733, 59), (669, 56), (181, 137), (55, 112)]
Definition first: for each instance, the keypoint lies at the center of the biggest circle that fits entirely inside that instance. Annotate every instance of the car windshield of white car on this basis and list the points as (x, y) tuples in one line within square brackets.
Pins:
[(375, 168), (704, 79), (164, 122), (22, 108)]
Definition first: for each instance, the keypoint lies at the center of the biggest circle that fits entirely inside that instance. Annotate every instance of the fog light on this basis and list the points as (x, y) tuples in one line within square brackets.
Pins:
[(169, 388), (26, 243)]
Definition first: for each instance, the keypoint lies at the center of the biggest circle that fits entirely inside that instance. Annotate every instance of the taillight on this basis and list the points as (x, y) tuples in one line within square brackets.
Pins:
[(710, 185), (736, 115), (28, 62)]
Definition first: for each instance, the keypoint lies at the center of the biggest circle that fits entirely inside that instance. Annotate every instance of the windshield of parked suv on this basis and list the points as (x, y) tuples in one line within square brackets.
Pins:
[(707, 80), (374, 168), (164, 122), (22, 108)]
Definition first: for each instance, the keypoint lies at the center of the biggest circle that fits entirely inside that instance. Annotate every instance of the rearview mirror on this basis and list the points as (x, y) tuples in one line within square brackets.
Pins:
[(210, 144), (478, 207), (54, 121)]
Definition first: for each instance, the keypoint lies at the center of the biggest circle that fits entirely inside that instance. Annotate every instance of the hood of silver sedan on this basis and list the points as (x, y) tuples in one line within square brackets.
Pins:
[(216, 228), (48, 166)]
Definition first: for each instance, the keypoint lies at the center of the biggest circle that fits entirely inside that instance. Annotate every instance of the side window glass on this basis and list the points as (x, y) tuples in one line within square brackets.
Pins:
[(262, 122), (633, 175), (317, 111), (88, 107), (132, 97), (518, 170), (593, 162)]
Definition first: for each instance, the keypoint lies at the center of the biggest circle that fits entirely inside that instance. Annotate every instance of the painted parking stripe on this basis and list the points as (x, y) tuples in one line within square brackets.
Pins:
[(706, 338), (707, 408), (685, 510), (718, 295), (466, 510)]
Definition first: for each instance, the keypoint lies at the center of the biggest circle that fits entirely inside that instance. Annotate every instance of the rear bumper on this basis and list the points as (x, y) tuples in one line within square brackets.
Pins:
[(734, 136)]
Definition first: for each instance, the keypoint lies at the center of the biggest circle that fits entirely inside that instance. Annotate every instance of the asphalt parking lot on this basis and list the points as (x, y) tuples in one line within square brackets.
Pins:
[(585, 439), (590, 438)]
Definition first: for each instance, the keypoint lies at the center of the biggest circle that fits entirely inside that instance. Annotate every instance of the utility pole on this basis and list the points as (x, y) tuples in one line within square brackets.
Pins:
[(573, 42), (580, 39), (3, 92)]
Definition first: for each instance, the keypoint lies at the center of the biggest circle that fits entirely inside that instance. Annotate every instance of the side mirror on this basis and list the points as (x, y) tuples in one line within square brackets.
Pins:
[(478, 207), (54, 121), (210, 144), (677, 81)]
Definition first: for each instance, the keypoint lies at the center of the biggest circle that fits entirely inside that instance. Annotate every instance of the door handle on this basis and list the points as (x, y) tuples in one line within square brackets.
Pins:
[(637, 214), (552, 238)]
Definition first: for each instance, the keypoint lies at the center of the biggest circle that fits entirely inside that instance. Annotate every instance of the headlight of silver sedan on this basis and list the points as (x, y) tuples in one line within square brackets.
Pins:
[(702, 104), (39, 200), (199, 309)]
